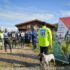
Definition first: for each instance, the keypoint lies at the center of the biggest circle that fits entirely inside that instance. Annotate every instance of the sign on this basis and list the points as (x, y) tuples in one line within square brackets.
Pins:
[(62, 42), (43, 32), (61, 32)]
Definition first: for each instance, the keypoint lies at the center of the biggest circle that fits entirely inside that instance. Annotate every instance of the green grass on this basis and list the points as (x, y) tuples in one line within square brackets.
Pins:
[(69, 49)]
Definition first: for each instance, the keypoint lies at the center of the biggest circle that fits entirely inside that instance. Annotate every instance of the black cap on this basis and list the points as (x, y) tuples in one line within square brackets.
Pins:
[(43, 23)]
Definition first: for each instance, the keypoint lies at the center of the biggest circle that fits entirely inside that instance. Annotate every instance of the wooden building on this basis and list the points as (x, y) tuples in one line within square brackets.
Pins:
[(34, 23)]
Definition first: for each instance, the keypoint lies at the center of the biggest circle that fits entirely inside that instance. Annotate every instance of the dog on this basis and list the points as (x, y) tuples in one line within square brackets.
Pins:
[(48, 58)]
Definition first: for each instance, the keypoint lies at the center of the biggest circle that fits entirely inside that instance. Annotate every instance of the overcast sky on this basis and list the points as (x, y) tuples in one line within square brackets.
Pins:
[(17, 11)]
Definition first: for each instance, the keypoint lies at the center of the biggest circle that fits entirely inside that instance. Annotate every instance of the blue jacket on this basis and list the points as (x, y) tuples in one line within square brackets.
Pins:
[(34, 36)]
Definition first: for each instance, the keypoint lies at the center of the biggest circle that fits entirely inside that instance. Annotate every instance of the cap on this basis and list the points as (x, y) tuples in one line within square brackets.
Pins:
[(43, 23)]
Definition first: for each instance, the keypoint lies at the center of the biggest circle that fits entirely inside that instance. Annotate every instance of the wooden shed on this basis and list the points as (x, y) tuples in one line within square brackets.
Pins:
[(33, 23)]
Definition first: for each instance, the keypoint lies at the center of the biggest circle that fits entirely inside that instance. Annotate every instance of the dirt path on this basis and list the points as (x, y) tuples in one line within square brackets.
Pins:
[(23, 58)]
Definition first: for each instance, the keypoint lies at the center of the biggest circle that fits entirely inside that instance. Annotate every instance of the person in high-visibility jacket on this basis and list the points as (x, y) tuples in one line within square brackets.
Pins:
[(1, 35), (7, 41), (45, 39), (1, 39)]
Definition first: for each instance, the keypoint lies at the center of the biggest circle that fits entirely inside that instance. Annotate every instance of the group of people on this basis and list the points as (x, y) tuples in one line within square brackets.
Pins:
[(42, 36), (12, 39)]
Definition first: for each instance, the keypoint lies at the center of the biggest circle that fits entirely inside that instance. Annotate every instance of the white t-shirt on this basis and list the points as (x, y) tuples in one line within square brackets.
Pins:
[(22, 34), (6, 35), (13, 35)]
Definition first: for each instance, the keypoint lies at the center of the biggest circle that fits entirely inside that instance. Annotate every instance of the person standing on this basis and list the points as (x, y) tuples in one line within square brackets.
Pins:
[(45, 39), (7, 41), (27, 37), (34, 38), (22, 38), (1, 39), (14, 39)]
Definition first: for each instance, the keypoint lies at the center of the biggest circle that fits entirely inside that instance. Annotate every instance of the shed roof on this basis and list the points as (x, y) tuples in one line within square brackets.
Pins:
[(24, 23), (66, 21)]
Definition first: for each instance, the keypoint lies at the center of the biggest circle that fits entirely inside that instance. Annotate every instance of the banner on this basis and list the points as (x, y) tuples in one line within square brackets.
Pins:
[(58, 53)]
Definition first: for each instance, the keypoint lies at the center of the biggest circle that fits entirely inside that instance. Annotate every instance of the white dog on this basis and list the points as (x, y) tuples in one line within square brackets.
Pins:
[(48, 58)]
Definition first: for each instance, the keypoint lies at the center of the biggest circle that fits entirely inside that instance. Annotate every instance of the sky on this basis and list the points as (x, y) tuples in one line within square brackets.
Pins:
[(13, 12)]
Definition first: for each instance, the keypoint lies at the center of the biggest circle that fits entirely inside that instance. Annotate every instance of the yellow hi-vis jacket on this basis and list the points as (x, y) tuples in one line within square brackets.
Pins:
[(1, 35), (45, 37)]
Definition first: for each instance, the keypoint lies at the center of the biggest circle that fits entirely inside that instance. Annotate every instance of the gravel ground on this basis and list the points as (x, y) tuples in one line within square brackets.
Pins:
[(20, 58), (25, 59)]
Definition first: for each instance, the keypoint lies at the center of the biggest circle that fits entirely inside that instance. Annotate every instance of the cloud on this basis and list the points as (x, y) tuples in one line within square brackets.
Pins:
[(17, 13), (44, 16), (9, 28), (10, 15), (65, 13), (11, 18)]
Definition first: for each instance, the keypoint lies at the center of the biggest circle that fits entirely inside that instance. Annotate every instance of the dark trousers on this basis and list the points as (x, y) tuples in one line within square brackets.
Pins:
[(7, 42), (43, 50), (34, 44)]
